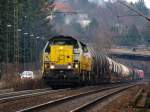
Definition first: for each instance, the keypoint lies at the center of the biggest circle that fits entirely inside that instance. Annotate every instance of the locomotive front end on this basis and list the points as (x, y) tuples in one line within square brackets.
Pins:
[(60, 61), (61, 57)]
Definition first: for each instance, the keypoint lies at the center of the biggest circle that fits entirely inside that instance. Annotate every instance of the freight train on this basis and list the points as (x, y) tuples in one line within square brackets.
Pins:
[(68, 61)]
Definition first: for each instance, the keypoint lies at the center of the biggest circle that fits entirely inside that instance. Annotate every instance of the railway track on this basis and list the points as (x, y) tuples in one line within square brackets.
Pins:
[(11, 96), (77, 102), (89, 104)]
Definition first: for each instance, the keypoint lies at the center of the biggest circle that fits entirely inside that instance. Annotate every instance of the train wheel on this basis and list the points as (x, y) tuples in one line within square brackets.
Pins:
[(82, 78), (89, 78)]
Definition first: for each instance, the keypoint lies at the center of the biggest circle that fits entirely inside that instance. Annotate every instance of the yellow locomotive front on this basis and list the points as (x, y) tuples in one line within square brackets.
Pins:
[(64, 59), (61, 57)]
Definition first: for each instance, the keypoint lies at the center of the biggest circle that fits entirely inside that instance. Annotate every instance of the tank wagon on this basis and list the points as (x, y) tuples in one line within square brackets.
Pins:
[(68, 61), (138, 74)]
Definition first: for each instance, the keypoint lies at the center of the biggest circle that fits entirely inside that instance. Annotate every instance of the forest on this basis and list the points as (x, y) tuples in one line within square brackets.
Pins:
[(25, 26)]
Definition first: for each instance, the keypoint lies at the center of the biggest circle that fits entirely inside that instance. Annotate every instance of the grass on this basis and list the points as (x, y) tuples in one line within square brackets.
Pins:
[(147, 108), (140, 110), (148, 101), (13, 81)]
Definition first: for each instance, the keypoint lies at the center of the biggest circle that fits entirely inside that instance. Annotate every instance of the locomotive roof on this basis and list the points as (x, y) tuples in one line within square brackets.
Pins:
[(62, 36)]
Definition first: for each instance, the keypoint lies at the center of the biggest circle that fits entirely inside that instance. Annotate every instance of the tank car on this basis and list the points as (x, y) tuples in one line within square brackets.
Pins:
[(138, 74), (141, 74), (68, 61)]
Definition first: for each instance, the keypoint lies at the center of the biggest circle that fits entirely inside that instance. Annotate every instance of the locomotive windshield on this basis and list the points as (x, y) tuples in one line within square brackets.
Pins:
[(65, 41), (84, 47), (62, 42)]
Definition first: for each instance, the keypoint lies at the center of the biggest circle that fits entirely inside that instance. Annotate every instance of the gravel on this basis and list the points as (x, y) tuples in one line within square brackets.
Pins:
[(120, 102), (13, 106)]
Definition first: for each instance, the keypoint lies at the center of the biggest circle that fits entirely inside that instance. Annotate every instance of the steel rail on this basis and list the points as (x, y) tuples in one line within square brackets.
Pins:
[(84, 107)]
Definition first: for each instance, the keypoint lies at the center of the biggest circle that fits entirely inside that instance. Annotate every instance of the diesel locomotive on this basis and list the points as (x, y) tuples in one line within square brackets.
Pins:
[(68, 61)]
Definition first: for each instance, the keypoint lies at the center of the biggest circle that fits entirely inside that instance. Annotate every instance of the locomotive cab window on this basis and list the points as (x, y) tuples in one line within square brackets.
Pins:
[(62, 42), (65, 41), (47, 48), (84, 48)]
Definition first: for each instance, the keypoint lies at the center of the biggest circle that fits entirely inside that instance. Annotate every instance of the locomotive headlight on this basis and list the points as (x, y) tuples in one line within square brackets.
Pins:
[(46, 65), (76, 66), (52, 66), (61, 48), (69, 66)]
